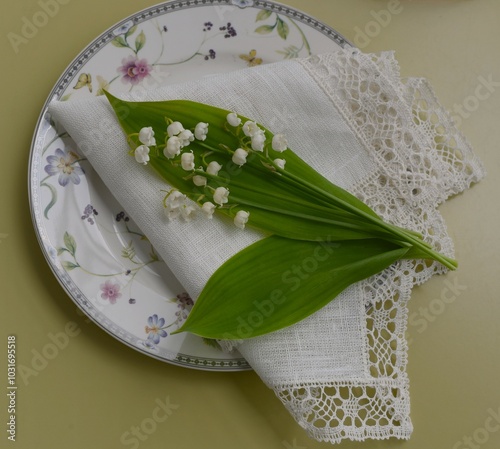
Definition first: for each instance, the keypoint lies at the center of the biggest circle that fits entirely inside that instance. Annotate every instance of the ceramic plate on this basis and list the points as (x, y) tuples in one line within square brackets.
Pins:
[(100, 257)]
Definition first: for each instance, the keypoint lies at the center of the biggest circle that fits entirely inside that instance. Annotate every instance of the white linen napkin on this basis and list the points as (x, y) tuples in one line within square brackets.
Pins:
[(341, 372)]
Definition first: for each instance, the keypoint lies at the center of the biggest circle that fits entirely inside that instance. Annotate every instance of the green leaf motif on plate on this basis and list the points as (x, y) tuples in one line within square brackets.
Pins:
[(67, 265), (140, 41), (265, 29), (70, 243), (263, 15), (283, 28), (119, 42)]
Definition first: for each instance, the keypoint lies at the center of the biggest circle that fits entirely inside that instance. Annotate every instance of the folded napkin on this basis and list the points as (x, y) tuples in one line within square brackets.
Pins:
[(340, 372)]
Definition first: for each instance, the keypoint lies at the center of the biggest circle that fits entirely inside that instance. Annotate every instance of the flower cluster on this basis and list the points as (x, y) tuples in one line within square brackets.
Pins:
[(215, 190)]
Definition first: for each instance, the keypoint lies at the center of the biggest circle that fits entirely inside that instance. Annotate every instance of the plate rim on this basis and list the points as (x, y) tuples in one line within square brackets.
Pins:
[(73, 68)]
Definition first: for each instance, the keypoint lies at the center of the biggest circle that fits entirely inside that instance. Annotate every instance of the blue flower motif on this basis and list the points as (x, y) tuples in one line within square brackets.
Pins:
[(154, 329), (63, 163)]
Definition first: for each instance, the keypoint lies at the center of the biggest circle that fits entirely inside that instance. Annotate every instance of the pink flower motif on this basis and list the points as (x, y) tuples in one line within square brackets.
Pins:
[(110, 291), (134, 70)]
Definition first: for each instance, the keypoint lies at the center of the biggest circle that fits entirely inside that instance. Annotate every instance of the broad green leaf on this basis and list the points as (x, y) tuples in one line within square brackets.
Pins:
[(277, 282), (282, 28), (140, 41), (265, 29), (296, 203), (70, 243), (69, 265), (119, 42), (263, 15)]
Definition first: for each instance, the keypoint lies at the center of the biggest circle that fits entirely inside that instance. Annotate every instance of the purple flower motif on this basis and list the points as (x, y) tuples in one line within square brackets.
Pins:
[(88, 213), (63, 163), (110, 291), (154, 329), (134, 70), (184, 304)]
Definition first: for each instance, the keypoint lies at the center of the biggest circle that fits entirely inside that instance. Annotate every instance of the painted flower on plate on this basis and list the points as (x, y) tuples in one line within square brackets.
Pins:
[(134, 70), (184, 304), (110, 291), (154, 328), (63, 164)]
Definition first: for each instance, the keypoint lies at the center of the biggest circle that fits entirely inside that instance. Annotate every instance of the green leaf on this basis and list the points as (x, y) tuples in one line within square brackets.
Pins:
[(65, 97), (265, 29), (277, 282), (283, 28), (70, 243), (119, 42), (297, 203), (140, 41), (131, 31), (69, 265), (263, 15)]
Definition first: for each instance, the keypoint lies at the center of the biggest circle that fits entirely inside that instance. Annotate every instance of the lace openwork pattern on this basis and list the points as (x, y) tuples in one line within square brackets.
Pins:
[(422, 160)]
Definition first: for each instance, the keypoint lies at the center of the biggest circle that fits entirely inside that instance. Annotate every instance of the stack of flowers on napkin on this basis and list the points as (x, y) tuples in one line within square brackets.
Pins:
[(341, 371)]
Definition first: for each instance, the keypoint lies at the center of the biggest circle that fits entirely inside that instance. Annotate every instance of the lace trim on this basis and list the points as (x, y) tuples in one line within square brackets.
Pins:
[(423, 159)]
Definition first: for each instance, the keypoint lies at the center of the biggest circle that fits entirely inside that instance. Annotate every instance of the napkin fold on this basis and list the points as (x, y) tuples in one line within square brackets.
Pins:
[(340, 372)]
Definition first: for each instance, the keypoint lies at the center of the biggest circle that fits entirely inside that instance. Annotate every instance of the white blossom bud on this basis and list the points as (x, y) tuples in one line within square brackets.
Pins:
[(233, 119), (240, 157), (201, 131), (199, 180), (187, 161), (250, 128), (221, 195), (174, 128), (279, 143), (208, 209), (146, 136), (241, 219), (141, 154), (280, 163), (258, 141), (213, 168), (188, 212), (186, 137), (173, 147)]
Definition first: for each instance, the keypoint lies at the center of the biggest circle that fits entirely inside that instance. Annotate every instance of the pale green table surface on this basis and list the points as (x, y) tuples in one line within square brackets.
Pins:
[(96, 389)]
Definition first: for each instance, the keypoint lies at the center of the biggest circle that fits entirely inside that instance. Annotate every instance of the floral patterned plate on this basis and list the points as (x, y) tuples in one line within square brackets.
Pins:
[(100, 257)]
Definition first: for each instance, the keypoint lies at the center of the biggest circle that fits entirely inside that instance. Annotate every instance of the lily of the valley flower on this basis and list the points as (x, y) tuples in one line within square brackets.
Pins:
[(146, 136), (279, 143), (141, 154), (241, 219), (173, 147), (199, 180), (240, 157), (221, 195), (233, 119), (201, 131), (186, 137), (175, 205), (280, 163), (187, 161), (187, 212), (174, 129), (258, 141), (213, 168), (176, 199), (250, 128), (208, 209)]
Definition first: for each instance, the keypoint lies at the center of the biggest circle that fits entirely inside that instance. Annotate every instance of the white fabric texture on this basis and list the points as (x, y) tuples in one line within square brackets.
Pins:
[(340, 372)]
